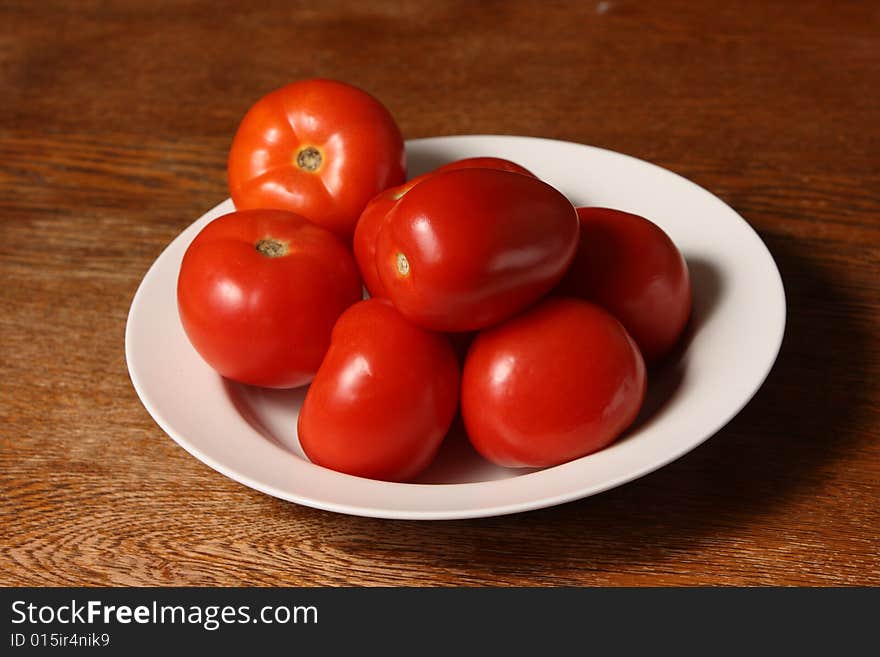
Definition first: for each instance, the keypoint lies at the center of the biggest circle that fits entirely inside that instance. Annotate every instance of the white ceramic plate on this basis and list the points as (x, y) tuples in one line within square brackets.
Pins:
[(249, 434)]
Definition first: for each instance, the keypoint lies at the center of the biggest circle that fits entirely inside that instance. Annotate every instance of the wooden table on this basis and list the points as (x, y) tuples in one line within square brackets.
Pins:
[(114, 129)]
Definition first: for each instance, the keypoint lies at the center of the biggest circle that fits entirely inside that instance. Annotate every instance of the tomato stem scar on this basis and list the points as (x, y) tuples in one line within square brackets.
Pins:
[(402, 265), (309, 158), (271, 248)]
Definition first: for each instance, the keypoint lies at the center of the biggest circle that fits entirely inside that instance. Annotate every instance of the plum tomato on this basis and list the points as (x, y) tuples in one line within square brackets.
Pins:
[(554, 383), (467, 248), (384, 397), (630, 266), (320, 148), (374, 215), (259, 292)]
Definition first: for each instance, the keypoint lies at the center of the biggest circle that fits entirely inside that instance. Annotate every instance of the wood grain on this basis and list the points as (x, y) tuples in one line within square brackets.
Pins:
[(113, 135)]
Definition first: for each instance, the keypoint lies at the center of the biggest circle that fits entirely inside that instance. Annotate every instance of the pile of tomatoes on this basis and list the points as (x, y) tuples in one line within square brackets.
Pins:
[(489, 293)]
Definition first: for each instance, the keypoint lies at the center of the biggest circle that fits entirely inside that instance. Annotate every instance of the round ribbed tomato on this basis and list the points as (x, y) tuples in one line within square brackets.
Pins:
[(319, 148)]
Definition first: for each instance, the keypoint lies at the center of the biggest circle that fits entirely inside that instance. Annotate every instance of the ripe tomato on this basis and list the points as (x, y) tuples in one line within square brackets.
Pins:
[(258, 294), (630, 267), (555, 383), (319, 148), (383, 398), (374, 215), (468, 248)]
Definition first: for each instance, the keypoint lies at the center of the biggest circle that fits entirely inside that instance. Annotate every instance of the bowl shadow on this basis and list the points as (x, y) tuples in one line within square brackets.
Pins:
[(256, 405)]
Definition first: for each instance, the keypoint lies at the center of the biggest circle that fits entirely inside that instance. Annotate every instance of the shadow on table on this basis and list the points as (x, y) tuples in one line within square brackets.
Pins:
[(807, 413)]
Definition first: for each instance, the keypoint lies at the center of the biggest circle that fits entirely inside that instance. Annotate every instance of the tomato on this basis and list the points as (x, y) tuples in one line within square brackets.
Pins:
[(374, 215), (630, 267), (258, 294), (468, 248), (319, 148), (384, 397), (485, 163), (555, 383)]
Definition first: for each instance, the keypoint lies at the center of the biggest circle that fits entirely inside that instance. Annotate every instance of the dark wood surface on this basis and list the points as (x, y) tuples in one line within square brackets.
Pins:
[(114, 128)]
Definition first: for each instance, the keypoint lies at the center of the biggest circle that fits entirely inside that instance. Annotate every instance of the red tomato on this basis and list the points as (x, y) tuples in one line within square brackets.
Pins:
[(555, 383), (374, 215), (258, 294), (383, 398), (468, 248), (630, 267), (319, 148), (485, 163)]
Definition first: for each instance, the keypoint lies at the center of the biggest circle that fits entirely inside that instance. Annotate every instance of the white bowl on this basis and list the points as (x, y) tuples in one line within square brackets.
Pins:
[(249, 434)]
